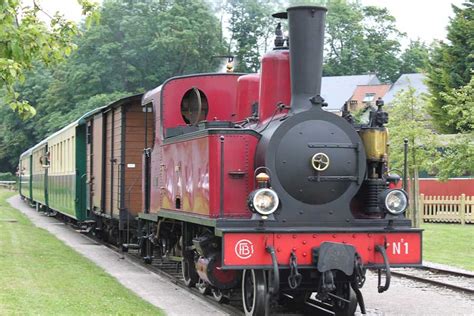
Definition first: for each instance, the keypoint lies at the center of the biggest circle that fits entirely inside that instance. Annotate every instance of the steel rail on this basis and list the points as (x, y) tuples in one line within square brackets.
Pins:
[(448, 285)]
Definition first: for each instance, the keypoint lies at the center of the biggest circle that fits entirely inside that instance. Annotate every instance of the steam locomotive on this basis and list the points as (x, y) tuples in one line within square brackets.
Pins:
[(243, 178)]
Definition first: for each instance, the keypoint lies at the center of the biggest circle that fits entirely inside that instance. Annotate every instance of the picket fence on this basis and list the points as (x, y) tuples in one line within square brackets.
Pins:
[(447, 209)]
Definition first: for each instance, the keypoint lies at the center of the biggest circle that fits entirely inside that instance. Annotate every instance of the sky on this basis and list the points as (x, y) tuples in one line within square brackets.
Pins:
[(419, 19)]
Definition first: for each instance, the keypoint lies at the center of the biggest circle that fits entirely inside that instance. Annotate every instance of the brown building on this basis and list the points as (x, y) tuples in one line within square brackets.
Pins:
[(367, 95)]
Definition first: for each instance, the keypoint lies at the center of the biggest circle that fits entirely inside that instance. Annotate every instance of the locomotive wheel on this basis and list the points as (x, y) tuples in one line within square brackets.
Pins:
[(190, 276), (342, 308), (254, 292), (219, 296), (202, 287)]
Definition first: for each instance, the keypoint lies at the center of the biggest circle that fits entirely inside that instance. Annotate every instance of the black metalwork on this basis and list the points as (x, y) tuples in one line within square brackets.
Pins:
[(332, 145), (295, 278), (405, 164), (147, 178), (382, 288), (372, 188), (306, 26), (279, 39), (358, 281), (275, 284), (336, 256), (221, 197)]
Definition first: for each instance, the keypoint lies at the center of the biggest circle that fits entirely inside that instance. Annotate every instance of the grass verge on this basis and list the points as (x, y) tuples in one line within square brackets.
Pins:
[(40, 275), (451, 244)]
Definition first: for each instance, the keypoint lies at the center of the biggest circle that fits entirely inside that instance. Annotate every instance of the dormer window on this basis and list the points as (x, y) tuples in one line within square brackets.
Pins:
[(369, 97)]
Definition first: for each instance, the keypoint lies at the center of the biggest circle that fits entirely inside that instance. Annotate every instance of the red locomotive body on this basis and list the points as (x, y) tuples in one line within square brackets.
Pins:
[(250, 179)]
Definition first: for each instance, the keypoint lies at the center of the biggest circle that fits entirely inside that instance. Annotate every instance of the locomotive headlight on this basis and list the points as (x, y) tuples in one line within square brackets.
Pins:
[(394, 201), (263, 201)]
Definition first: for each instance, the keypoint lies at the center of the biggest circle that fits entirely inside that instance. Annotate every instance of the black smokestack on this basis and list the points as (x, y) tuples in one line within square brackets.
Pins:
[(306, 24)]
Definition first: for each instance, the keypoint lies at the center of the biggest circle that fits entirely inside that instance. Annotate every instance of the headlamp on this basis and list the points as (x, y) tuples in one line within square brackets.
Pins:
[(394, 201), (263, 201)]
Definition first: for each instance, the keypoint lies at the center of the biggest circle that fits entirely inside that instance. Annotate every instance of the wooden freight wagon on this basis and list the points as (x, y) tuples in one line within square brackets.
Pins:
[(115, 144)]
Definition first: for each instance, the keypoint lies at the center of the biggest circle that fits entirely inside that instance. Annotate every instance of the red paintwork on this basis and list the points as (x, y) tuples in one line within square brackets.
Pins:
[(252, 249), (451, 187), (274, 82), (247, 95), (191, 170), (185, 175), (220, 90)]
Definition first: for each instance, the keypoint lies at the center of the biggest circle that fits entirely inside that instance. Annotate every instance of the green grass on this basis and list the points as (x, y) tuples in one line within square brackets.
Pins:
[(451, 244), (40, 275)]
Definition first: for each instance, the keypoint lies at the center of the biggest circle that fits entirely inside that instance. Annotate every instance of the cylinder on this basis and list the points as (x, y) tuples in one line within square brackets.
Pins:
[(306, 31)]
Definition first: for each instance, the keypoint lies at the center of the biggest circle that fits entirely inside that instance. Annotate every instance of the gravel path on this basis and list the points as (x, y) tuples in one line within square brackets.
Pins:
[(407, 297), (153, 288)]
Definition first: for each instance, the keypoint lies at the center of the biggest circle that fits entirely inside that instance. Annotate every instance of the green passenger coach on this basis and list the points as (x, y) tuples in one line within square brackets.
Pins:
[(39, 173), (66, 171), (53, 172), (24, 175)]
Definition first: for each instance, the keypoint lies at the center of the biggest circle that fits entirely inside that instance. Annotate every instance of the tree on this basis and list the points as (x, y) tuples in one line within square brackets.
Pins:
[(382, 39), (24, 38), (409, 120), (451, 65), (345, 49), (250, 24), (360, 40), (150, 42), (415, 58), (457, 155)]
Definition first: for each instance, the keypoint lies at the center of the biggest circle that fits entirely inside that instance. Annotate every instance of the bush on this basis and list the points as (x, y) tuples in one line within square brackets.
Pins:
[(7, 176)]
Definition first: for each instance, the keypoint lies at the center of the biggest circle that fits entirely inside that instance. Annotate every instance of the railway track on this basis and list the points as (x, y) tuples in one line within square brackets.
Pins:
[(453, 280), (171, 270), (233, 306)]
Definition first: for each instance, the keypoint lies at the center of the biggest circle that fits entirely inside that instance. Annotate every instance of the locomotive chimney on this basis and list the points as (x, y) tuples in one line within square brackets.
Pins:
[(306, 32)]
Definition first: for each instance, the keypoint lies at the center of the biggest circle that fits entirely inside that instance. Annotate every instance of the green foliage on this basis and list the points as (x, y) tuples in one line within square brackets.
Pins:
[(445, 155), (459, 107), (408, 119), (251, 26), (25, 38), (133, 47), (361, 39), (415, 58), (457, 158), (451, 65), (7, 176)]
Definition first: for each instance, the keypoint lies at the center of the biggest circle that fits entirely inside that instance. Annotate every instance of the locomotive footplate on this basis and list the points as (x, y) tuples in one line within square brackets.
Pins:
[(248, 250)]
